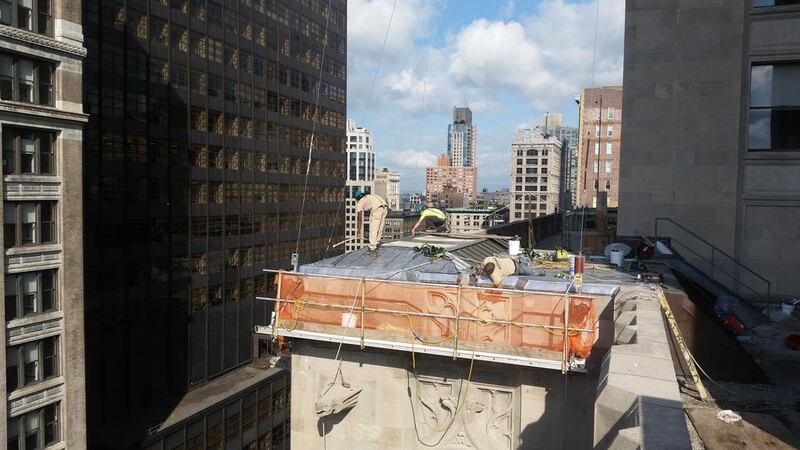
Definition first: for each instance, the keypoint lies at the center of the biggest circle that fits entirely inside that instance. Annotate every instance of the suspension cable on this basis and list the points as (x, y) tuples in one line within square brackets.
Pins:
[(378, 68), (313, 126)]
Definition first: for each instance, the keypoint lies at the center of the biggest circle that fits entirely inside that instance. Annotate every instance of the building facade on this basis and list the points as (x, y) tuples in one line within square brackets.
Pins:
[(447, 181), (600, 137), (553, 123), (470, 220), (399, 224), (462, 139), (387, 185), (196, 162), (535, 173), (360, 175), (41, 122), (727, 166)]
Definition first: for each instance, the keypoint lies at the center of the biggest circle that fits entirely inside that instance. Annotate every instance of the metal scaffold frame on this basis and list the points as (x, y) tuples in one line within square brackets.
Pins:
[(417, 343)]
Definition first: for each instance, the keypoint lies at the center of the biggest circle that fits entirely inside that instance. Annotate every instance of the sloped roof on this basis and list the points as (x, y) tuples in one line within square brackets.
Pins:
[(399, 260)]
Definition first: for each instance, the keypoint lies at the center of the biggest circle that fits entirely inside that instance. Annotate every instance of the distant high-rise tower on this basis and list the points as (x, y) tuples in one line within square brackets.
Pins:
[(360, 175), (553, 123), (462, 139), (456, 172)]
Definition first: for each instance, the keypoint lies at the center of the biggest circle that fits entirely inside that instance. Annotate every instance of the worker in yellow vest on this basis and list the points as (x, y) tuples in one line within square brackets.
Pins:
[(377, 208), (431, 219)]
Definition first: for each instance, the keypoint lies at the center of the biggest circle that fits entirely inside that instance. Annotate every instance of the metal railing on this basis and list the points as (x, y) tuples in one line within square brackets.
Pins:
[(722, 268)]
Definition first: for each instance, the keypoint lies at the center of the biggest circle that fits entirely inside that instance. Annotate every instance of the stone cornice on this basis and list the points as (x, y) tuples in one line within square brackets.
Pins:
[(42, 111), (40, 40)]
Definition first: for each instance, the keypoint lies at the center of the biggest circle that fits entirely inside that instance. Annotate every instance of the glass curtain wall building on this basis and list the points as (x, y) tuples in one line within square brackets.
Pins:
[(195, 155)]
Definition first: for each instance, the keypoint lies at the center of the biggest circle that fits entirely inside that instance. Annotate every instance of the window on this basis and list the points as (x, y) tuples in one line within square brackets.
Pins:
[(30, 293), (758, 3), (608, 184), (610, 131), (774, 108), (36, 429), (611, 112), (28, 223), (597, 131), (609, 165), (31, 363), (28, 152), (597, 113), (596, 166), (596, 148), (31, 15), (25, 80), (609, 148)]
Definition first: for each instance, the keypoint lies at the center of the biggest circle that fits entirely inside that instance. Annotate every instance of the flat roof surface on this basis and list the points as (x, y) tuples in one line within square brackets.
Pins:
[(217, 391)]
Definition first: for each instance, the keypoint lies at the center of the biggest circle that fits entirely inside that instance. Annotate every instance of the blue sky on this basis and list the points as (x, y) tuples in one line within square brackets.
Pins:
[(510, 61)]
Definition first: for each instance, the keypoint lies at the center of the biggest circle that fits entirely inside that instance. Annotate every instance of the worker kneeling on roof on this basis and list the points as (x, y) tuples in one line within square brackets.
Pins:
[(376, 206), (499, 267), (431, 219)]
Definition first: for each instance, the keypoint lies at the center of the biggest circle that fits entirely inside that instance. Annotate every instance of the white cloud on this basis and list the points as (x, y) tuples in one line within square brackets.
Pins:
[(495, 66), (406, 159), (544, 58)]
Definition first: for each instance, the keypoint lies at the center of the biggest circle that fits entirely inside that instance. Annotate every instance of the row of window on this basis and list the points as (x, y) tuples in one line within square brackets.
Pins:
[(26, 80), (609, 166), (534, 188), (533, 170), (611, 113), (29, 223), (532, 152), (519, 206), (136, 149), (609, 131), (609, 148), (520, 161)]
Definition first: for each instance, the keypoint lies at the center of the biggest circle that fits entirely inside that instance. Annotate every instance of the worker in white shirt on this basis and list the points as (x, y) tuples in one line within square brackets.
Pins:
[(499, 267), (377, 208)]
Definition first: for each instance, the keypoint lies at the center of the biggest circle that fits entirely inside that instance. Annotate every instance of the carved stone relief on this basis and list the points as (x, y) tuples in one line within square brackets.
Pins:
[(482, 418)]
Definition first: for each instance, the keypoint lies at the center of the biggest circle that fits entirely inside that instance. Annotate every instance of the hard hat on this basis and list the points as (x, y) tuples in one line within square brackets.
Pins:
[(359, 193)]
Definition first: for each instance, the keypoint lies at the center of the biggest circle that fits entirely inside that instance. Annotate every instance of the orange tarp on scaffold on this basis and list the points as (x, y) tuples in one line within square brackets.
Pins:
[(507, 321)]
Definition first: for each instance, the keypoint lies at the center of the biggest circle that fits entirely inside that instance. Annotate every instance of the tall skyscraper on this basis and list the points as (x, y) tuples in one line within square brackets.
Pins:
[(195, 157), (360, 175), (535, 173), (462, 139), (456, 173), (41, 121), (600, 135), (553, 123)]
